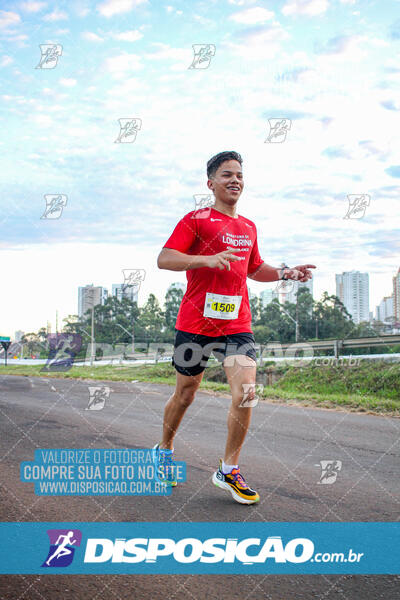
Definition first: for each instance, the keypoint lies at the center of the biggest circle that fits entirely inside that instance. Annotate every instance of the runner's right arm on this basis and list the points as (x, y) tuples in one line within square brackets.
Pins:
[(174, 260), (173, 255)]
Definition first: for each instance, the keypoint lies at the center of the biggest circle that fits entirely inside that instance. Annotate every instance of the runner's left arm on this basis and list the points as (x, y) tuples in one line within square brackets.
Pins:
[(264, 273), (267, 273)]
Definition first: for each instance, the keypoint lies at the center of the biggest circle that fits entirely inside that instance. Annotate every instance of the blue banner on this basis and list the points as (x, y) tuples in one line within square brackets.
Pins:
[(201, 547), (99, 472)]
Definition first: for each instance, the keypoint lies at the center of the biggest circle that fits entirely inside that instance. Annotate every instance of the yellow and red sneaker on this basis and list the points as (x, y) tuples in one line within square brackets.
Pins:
[(236, 484)]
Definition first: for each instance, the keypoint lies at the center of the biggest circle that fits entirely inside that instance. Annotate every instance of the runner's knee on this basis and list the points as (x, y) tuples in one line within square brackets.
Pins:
[(186, 392), (185, 397)]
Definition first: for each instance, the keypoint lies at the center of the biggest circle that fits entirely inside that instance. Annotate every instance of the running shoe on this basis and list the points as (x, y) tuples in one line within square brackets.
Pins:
[(236, 484), (164, 465)]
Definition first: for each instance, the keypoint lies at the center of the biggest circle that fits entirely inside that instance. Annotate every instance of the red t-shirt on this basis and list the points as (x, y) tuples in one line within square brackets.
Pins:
[(208, 231)]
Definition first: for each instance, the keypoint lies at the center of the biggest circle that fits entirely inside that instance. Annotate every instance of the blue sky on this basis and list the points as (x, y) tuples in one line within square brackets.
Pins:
[(330, 66)]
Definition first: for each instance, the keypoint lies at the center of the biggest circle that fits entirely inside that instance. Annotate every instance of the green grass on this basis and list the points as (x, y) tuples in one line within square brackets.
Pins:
[(369, 387)]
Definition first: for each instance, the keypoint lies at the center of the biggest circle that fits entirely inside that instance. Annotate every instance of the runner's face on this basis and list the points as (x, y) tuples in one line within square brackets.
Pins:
[(227, 182)]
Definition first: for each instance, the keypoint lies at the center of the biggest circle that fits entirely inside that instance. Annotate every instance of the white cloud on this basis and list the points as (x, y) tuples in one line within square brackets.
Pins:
[(348, 1), (17, 38), (166, 52), (344, 48), (310, 8), (67, 82), (128, 36), (8, 18), (56, 15), (109, 8), (5, 61), (242, 2), (81, 10), (252, 16), (33, 6), (124, 36), (126, 88), (204, 21), (118, 65), (258, 42), (171, 9), (41, 119), (91, 37), (378, 42)]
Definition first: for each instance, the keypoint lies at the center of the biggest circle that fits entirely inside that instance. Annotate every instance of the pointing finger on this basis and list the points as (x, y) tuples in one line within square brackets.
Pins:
[(226, 263)]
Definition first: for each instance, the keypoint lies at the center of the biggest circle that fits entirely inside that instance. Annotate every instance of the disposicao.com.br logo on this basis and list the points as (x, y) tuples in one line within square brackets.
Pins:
[(213, 550)]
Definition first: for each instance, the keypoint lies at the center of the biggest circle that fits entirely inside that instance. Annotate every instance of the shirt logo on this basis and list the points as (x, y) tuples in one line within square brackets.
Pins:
[(215, 219)]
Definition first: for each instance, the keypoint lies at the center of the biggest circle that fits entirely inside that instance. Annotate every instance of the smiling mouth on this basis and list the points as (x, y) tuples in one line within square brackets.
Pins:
[(234, 189)]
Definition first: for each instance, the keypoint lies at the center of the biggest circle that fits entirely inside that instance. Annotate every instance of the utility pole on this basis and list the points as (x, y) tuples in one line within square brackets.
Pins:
[(123, 290), (131, 334), (92, 336), (91, 292)]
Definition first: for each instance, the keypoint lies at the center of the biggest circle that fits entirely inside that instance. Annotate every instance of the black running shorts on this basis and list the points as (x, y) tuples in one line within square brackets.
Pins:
[(192, 350)]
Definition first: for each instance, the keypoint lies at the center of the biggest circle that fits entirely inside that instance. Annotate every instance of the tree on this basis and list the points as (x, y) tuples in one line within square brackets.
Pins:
[(173, 299), (280, 325), (255, 308), (331, 319), (151, 319), (304, 310), (73, 324), (33, 343), (115, 321)]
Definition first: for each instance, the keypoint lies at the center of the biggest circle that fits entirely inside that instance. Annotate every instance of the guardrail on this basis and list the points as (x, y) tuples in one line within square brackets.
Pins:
[(338, 345)]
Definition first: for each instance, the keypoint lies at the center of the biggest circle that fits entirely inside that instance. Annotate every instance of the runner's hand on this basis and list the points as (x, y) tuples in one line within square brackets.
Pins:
[(222, 259), (300, 273)]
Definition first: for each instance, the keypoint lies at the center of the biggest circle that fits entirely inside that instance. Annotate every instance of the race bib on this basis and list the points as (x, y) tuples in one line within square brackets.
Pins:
[(218, 306)]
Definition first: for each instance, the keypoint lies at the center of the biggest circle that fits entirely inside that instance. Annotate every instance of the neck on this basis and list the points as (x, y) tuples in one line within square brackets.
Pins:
[(225, 208)]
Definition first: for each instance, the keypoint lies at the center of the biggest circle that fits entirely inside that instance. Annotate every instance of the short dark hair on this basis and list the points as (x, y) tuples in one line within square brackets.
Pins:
[(218, 159)]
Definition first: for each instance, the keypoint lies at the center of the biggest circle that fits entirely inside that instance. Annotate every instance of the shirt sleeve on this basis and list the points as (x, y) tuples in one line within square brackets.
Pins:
[(184, 234), (255, 260)]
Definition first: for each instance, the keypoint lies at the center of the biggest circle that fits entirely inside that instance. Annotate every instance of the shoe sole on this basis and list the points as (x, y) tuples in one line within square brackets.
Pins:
[(235, 496), (154, 457)]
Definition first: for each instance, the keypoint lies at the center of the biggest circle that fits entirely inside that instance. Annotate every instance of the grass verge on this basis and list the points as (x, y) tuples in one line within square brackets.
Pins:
[(368, 387)]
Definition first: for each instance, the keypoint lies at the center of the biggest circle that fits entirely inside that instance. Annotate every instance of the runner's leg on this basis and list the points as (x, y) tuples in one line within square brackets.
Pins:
[(181, 399), (243, 370)]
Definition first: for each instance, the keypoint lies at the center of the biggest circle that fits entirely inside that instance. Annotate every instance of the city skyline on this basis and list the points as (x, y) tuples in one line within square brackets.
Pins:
[(382, 312)]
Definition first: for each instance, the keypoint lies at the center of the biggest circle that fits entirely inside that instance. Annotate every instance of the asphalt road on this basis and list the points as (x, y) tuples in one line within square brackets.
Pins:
[(280, 459)]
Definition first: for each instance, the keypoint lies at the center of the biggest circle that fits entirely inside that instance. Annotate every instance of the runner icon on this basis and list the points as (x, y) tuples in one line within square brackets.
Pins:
[(62, 549)]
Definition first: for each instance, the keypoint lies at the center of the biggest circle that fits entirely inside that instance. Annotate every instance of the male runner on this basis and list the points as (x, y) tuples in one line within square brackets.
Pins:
[(218, 250)]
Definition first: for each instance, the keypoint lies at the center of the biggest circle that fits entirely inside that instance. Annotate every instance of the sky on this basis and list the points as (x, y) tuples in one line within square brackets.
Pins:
[(327, 70)]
